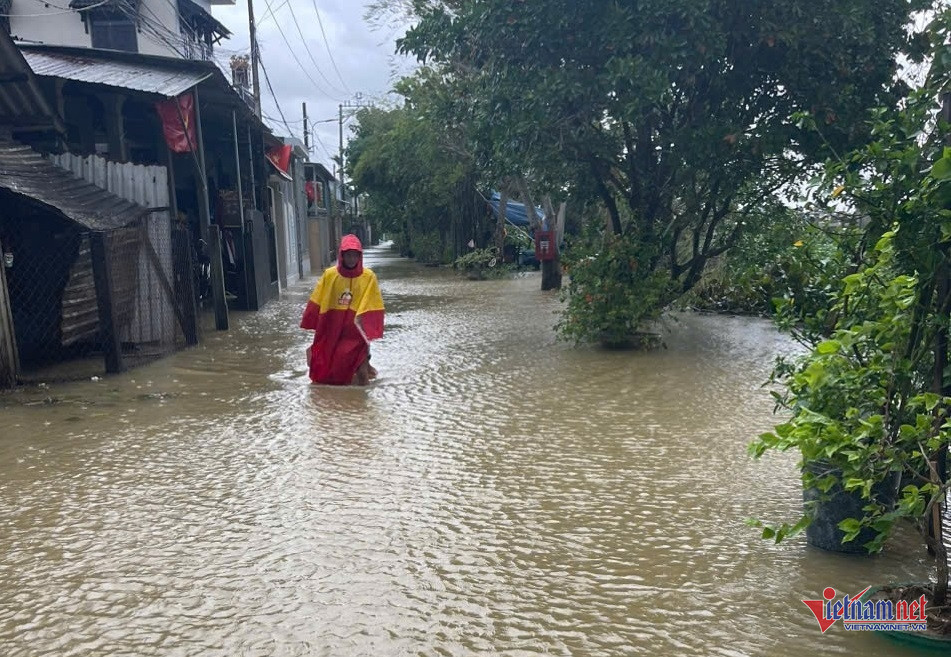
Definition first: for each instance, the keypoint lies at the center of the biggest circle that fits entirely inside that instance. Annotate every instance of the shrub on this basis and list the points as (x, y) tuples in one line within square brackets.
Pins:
[(612, 290), (428, 248)]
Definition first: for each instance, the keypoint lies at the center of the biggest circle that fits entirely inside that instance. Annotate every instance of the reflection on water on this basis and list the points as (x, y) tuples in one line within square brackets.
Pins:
[(494, 492)]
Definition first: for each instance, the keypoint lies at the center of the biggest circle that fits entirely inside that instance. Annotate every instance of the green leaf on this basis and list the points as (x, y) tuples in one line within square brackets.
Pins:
[(942, 169), (829, 347)]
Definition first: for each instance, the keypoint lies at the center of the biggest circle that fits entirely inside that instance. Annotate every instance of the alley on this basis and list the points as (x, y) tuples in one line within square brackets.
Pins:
[(494, 492)]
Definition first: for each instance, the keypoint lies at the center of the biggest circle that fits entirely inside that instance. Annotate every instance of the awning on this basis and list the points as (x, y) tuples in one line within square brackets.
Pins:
[(151, 78), (198, 16), (22, 105), (322, 172), (25, 172), (163, 76)]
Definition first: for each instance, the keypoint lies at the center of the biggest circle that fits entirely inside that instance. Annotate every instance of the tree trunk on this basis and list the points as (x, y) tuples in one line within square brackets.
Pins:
[(551, 269), (500, 228)]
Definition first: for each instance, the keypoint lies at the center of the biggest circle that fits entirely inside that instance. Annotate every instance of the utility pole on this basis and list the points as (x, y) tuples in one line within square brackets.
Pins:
[(356, 103), (254, 59), (306, 132), (340, 125)]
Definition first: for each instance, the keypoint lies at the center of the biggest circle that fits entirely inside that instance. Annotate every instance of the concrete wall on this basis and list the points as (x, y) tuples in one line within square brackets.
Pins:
[(34, 21), (163, 12)]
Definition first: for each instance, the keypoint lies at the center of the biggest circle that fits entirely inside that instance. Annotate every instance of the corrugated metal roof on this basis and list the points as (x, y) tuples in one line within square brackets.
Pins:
[(26, 172), (168, 81), (128, 70), (22, 105)]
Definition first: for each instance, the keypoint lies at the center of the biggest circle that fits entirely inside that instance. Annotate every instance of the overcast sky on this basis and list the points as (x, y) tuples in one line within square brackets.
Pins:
[(356, 58)]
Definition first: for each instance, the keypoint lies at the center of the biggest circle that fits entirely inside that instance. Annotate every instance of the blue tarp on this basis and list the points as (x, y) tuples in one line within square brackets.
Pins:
[(515, 213)]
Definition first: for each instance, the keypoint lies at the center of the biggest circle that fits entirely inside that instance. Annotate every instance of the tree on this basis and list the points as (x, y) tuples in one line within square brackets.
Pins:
[(673, 113), (418, 184)]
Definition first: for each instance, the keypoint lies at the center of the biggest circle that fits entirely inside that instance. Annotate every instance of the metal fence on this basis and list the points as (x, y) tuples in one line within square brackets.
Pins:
[(86, 303)]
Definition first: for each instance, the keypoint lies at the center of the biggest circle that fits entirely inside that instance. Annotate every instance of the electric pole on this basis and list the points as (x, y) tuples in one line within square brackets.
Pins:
[(306, 132), (254, 59), (356, 103)]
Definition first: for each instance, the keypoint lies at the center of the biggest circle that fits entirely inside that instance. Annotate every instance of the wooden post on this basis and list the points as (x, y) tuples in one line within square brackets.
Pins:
[(9, 357), (217, 279), (237, 164), (188, 302), (101, 271), (214, 236), (115, 127), (201, 176), (500, 228)]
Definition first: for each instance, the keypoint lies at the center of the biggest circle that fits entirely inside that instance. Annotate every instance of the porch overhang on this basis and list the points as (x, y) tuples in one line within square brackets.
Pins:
[(25, 172)]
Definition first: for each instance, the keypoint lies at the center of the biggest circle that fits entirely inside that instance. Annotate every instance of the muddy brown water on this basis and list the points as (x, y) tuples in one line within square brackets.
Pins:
[(496, 492)]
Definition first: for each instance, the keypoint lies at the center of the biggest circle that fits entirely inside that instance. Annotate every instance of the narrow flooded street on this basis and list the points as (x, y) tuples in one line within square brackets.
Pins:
[(494, 492)]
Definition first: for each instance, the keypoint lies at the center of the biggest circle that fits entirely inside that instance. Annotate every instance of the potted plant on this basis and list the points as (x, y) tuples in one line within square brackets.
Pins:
[(863, 413), (870, 401)]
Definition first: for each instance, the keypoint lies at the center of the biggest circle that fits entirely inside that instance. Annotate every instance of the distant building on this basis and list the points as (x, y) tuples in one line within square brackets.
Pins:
[(169, 28)]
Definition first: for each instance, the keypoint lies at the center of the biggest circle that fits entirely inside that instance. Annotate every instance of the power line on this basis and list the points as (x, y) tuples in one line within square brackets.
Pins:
[(64, 10), (297, 59), (272, 13), (320, 22), (313, 132), (267, 79), (310, 54)]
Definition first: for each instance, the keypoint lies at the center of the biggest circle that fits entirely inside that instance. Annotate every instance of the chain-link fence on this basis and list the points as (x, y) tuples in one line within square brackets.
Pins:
[(84, 303)]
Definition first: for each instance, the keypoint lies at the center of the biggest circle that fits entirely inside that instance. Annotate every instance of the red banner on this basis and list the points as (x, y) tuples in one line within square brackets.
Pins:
[(280, 157), (178, 123), (315, 192)]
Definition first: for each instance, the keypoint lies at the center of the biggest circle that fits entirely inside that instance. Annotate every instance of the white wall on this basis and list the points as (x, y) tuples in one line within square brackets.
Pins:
[(290, 219), (165, 13), (51, 25), (36, 22)]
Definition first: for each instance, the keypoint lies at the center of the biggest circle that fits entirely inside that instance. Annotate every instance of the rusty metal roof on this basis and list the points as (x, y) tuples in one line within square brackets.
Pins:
[(22, 105), (25, 172), (96, 68)]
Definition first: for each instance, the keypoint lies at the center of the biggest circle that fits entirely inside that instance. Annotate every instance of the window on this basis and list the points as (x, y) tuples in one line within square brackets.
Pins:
[(113, 31)]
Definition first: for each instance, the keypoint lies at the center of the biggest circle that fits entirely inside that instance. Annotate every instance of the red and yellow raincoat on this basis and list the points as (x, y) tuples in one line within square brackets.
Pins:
[(341, 297)]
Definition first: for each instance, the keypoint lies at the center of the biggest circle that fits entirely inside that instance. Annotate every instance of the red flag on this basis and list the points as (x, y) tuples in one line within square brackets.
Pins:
[(178, 123), (280, 157)]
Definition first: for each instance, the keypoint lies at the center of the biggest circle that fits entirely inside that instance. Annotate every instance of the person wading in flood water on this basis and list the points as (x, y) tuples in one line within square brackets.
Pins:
[(345, 311)]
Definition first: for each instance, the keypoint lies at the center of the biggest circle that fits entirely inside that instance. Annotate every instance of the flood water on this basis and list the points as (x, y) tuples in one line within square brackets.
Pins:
[(496, 492)]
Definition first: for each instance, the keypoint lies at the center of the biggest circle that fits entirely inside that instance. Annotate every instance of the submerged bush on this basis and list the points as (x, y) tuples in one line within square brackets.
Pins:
[(612, 290)]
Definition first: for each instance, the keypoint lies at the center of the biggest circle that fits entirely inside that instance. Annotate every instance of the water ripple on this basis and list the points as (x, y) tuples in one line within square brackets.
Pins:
[(495, 492)]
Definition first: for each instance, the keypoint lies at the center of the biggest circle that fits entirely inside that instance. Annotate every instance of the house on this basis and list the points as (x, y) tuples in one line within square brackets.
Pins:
[(322, 233), (108, 101), (78, 264), (287, 205), (88, 177), (183, 29)]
